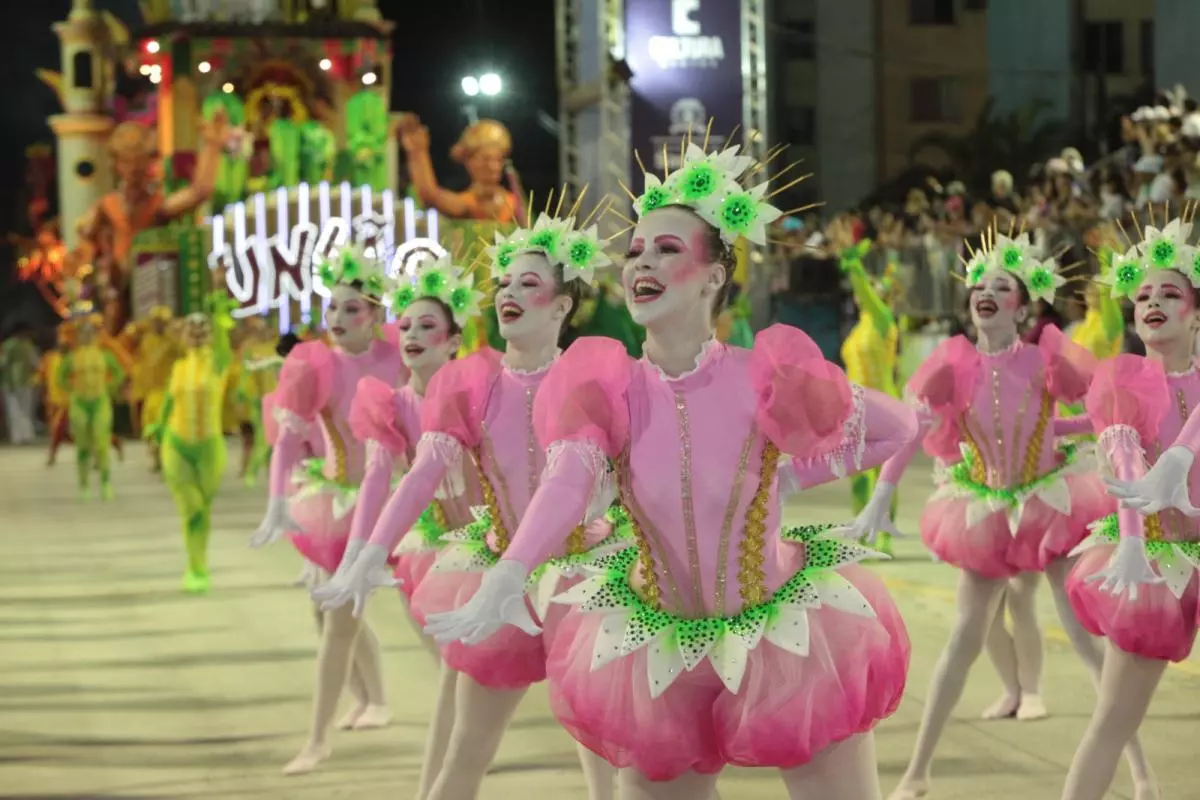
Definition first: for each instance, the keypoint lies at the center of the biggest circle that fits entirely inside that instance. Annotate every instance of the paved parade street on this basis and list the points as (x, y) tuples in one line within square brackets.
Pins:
[(113, 684)]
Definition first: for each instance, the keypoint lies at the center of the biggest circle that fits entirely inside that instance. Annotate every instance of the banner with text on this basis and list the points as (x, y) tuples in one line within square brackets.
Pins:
[(686, 59)]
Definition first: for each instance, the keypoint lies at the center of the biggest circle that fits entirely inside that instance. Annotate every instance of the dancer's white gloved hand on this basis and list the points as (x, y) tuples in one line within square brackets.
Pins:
[(1128, 569), (355, 581), (353, 548), (276, 522), (1165, 485), (309, 577), (500, 601), (875, 518)]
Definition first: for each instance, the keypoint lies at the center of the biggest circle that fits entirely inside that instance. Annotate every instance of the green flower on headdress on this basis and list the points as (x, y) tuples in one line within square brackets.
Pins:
[(373, 285), (460, 299), (505, 250), (1127, 276), (1165, 248), (1162, 253), (1194, 267), (352, 264), (1040, 279), (433, 282), (403, 297), (698, 182), (327, 275), (445, 282), (351, 267), (580, 251), (1011, 257), (505, 253), (655, 196), (976, 269), (738, 212), (546, 239)]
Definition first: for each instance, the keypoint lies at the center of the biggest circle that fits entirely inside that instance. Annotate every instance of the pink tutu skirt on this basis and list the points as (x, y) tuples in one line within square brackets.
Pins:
[(787, 710), (510, 659), (324, 537), (989, 548), (1155, 625), (411, 569)]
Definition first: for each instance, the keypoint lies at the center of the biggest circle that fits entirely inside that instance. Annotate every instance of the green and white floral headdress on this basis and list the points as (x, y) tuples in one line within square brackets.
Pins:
[(352, 264), (1021, 258), (579, 252), (1165, 248), (711, 185), (445, 281)]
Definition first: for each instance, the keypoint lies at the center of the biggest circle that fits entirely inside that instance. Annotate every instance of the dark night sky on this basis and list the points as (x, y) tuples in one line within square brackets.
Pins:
[(433, 48)]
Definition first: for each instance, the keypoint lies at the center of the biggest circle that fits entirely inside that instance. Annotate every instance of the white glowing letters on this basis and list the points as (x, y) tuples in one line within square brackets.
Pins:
[(265, 272)]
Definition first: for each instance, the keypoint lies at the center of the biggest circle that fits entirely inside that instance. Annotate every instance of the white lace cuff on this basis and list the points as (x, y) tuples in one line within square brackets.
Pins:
[(604, 489), (448, 450), (292, 422), (854, 436), (1117, 438)]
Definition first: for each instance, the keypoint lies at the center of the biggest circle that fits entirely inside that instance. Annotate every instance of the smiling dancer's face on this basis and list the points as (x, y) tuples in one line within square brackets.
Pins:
[(425, 337), (670, 269), (1164, 308), (351, 319), (528, 299), (998, 303)]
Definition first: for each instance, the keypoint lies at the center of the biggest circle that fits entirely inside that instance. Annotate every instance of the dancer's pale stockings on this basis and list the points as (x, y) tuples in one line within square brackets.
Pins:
[(481, 716), (339, 649), (1018, 656), (846, 770), (1127, 683), (437, 739)]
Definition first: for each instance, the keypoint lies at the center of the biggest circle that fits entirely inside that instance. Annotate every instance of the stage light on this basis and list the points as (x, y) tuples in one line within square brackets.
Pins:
[(490, 84), (227, 88), (325, 64), (156, 78), (144, 69), (470, 86), (152, 47), (369, 78), (204, 67)]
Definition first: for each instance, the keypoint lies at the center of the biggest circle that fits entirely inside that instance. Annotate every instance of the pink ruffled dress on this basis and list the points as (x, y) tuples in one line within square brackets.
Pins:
[(1013, 499), (316, 388), (389, 422), (477, 430), (718, 638), (314, 445), (1138, 410)]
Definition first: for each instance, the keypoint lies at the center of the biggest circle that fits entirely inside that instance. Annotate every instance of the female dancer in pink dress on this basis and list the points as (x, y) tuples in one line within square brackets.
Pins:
[(720, 638), (433, 311), (1135, 582), (1013, 503), (316, 387), (478, 414)]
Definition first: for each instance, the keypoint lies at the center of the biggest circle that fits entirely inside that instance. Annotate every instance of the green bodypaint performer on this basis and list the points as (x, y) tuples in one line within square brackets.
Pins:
[(92, 376), (190, 432)]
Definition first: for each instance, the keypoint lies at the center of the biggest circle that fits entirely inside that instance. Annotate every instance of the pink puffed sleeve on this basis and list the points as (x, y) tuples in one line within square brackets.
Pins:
[(451, 420), (1127, 401), (945, 384), (1069, 367), (270, 424), (305, 383), (581, 415), (375, 419)]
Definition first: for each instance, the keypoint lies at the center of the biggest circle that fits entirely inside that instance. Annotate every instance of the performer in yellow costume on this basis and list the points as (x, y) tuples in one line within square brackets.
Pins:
[(156, 354), (190, 432), (92, 376), (871, 350), (259, 366), (55, 397)]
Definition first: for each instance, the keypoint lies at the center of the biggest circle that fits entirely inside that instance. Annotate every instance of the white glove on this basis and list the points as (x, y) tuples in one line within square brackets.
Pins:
[(500, 601), (276, 522), (353, 548), (309, 577), (1128, 569), (356, 580), (1164, 486), (874, 518)]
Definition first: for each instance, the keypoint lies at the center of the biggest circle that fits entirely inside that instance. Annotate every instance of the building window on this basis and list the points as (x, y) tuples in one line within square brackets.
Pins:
[(931, 12), (85, 169), (1147, 47), (81, 70), (799, 40), (1104, 47), (801, 126), (935, 100), (975, 5)]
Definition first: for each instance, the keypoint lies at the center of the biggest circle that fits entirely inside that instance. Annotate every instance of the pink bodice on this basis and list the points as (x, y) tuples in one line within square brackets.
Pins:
[(1000, 407), (697, 458), (1139, 411)]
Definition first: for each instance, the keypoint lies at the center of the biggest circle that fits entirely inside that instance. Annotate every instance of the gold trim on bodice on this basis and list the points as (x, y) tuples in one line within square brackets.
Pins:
[(489, 500), (339, 447)]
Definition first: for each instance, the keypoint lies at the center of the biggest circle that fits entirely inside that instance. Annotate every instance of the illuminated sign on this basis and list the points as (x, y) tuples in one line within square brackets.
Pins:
[(268, 271), (688, 45)]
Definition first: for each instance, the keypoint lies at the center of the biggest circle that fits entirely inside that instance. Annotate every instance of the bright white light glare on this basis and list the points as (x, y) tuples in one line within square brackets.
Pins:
[(369, 79), (489, 84), (156, 77), (325, 64), (204, 66), (470, 86), (227, 88), (152, 47), (144, 69)]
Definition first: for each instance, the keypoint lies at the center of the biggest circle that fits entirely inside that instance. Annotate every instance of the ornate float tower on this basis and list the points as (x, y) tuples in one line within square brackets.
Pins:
[(85, 89)]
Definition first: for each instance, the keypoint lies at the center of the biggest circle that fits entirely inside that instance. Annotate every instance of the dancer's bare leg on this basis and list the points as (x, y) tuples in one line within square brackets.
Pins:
[(1089, 649), (847, 770), (340, 629), (1027, 639), (977, 600), (437, 740), (1003, 655), (1127, 683), (599, 775), (358, 690), (481, 716), (636, 786), (368, 663)]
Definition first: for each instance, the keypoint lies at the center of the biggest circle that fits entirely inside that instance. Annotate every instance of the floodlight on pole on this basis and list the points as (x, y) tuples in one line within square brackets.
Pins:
[(490, 84), (470, 86)]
